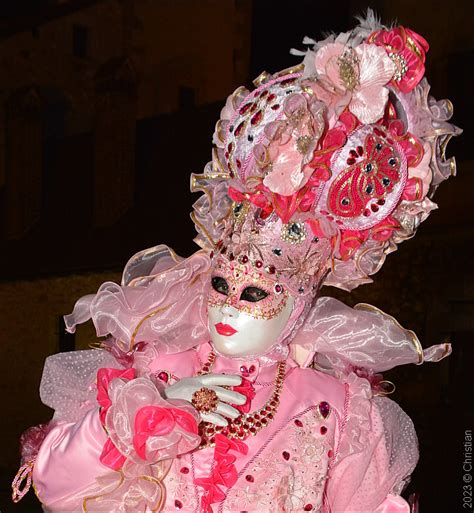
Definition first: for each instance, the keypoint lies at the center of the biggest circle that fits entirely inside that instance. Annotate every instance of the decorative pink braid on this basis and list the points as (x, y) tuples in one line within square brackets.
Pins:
[(24, 472)]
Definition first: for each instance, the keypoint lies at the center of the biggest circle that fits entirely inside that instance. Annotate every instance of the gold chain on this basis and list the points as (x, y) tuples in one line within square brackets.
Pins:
[(247, 424)]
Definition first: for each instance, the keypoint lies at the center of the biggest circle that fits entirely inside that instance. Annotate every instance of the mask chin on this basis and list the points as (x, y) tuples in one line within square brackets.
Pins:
[(240, 335)]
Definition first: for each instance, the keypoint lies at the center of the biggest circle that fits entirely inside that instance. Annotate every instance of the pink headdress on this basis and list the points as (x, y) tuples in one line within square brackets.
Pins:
[(324, 168)]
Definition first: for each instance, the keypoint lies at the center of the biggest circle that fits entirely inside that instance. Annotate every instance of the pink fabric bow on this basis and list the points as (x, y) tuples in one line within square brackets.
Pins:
[(158, 421), (110, 455), (104, 377)]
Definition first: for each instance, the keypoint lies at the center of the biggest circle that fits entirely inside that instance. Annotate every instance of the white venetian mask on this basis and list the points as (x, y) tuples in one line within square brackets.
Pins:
[(247, 311)]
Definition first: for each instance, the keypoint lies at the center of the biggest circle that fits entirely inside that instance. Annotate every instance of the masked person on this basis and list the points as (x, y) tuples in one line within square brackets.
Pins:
[(226, 383)]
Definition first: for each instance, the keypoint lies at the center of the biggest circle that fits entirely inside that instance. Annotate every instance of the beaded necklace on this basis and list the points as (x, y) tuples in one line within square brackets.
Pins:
[(247, 424)]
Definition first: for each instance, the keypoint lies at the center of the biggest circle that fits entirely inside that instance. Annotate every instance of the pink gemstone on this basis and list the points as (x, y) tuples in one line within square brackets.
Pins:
[(178, 504), (298, 423), (324, 409), (244, 371), (249, 478), (164, 376), (184, 470), (308, 507), (286, 455), (323, 430)]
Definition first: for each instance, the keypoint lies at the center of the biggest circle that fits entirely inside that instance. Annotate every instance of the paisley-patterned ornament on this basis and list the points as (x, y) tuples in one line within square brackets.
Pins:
[(368, 177)]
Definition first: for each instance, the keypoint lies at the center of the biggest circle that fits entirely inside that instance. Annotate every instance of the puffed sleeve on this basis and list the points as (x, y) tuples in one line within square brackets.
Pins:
[(109, 429), (375, 453)]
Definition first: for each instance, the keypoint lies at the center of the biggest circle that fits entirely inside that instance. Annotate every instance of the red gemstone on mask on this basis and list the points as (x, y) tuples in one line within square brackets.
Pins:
[(244, 259), (360, 150), (184, 470), (239, 164), (231, 256), (324, 408), (256, 118), (252, 369), (258, 264), (271, 269), (263, 93), (374, 207), (352, 152), (308, 507), (178, 504), (249, 478), (381, 202), (351, 161), (366, 212), (323, 430), (330, 453), (298, 423), (278, 288), (271, 97), (276, 106), (164, 376), (286, 455), (230, 147)]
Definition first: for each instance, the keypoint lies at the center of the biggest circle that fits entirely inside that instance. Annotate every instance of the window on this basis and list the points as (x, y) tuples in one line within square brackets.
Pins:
[(79, 41)]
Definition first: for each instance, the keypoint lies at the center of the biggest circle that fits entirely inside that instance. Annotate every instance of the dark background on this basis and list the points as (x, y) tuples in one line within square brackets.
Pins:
[(108, 106)]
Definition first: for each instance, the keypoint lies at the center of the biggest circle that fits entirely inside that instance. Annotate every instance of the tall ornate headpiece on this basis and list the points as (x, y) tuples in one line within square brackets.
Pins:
[(319, 172)]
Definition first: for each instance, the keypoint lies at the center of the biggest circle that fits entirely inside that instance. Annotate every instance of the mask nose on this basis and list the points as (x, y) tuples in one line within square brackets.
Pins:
[(229, 311)]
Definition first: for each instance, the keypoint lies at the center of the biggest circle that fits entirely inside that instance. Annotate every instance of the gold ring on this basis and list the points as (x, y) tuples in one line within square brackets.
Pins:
[(205, 400)]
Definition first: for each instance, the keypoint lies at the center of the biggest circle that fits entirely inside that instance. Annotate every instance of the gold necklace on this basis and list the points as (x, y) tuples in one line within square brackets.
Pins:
[(247, 424)]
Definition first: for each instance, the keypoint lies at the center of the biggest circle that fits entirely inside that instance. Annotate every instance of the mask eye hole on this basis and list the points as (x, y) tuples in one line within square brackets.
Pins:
[(220, 285), (253, 294)]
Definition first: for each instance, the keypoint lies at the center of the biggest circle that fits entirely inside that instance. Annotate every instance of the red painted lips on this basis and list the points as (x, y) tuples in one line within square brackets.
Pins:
[(225, 329)]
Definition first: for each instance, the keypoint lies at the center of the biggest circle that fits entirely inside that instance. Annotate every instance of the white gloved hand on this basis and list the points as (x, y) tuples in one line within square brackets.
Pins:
[(185, 388)]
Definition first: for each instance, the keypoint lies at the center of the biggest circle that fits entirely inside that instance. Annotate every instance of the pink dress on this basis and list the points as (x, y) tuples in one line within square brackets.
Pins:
[(332, 446)]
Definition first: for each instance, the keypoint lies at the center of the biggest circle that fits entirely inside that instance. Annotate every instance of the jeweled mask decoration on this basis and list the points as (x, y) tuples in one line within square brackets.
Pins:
[(323, 169), (247, 309)]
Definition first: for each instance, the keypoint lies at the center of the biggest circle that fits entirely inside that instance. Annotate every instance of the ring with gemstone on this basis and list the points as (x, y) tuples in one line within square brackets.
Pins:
[(205, 400)]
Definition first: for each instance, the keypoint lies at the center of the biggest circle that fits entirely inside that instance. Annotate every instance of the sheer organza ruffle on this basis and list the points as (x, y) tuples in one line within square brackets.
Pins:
[(341, 338), (162, 300), (144, 426)]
